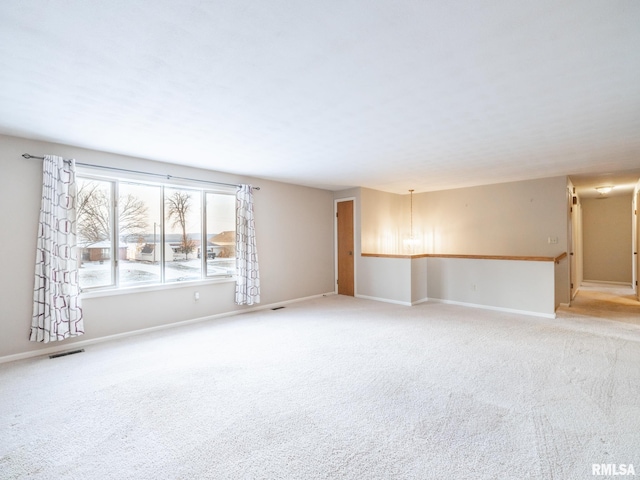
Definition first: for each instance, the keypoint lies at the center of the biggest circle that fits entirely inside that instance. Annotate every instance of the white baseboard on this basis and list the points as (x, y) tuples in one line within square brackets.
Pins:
[(462, 304), (605, 282), (83, 343), (385, 300), (491, 307)]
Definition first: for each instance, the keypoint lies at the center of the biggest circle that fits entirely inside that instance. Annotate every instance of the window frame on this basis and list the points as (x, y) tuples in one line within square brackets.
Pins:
[(86, 173)]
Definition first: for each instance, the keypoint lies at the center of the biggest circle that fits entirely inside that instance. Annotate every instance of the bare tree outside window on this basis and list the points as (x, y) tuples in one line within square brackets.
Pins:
[(94, 214), (94, 232), (178, 206), (140, 224), (132, 217)]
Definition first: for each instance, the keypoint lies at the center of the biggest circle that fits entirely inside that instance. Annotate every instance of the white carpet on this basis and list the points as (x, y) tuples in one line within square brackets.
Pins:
[(335, 387)]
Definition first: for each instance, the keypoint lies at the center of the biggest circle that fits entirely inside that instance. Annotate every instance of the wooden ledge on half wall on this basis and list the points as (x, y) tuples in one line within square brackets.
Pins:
[(474, 257)]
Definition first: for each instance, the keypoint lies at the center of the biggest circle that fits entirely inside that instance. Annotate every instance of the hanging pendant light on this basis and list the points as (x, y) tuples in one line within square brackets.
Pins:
[(411, 214), (410, 242)]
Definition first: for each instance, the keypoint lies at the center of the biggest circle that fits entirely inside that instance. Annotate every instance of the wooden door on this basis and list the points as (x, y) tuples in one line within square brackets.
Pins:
[(345, 254)]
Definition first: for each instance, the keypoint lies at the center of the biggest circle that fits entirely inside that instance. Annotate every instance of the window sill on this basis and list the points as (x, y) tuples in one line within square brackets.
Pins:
[(151, 288)]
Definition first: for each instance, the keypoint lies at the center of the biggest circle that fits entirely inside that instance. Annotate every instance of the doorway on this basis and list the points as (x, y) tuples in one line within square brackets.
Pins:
[(598, 260), (605, 301), (604, 243), (345, 247)]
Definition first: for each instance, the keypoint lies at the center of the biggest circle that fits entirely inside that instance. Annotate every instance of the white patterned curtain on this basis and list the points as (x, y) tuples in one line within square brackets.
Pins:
[(57, 313), (248, 277)]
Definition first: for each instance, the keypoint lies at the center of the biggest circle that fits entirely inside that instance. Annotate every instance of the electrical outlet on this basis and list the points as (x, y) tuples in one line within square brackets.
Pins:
[(196, 296), (552, 239)]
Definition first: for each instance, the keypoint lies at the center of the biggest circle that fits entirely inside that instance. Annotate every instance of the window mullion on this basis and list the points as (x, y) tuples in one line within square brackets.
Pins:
[(115, 229), (162, 239), (204, 246)]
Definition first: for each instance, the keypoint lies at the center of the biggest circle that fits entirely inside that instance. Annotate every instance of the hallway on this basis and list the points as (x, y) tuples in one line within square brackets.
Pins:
[(613, 302)]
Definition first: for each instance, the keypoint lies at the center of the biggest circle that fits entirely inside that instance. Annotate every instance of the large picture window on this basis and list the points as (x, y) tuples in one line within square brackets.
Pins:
[(133, 233)]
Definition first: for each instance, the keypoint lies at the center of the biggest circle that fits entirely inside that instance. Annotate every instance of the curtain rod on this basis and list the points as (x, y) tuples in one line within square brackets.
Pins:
[(168, 177)]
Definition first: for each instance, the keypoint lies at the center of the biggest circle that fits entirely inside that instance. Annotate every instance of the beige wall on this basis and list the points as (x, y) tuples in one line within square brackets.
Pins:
[(514, 218), (385, 221), (294, 228), (607, 239)]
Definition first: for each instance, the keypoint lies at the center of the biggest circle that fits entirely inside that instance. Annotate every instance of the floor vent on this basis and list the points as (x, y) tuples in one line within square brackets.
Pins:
[(64, 354), (277, 308)]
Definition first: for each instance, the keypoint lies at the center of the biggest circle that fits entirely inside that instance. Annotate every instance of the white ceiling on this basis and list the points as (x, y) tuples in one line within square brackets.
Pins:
[(391, 95)]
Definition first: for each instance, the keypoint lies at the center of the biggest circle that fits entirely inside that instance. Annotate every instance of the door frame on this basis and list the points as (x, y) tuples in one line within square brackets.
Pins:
[(571, 243), (356, 245), (636, 241)]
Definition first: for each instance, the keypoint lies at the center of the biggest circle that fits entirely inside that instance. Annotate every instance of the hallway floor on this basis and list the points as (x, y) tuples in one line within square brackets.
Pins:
[(613, 302)]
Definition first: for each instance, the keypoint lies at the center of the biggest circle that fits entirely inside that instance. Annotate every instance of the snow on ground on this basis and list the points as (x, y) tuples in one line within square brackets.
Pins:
[(95, 274)]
